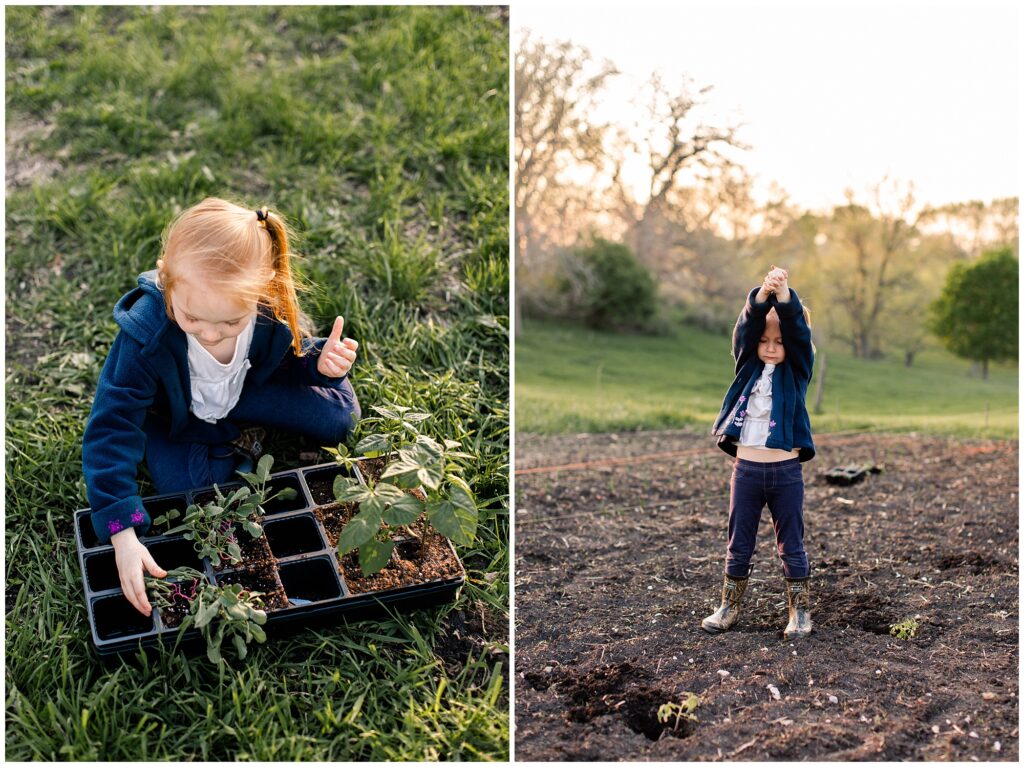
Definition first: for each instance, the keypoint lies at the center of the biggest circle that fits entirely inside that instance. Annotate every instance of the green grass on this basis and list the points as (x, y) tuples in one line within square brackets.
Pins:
[(381, 134), (570, 379)]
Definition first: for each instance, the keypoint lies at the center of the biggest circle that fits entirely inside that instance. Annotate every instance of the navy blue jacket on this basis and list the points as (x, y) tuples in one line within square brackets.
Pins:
[(790, 425), (146, 373)]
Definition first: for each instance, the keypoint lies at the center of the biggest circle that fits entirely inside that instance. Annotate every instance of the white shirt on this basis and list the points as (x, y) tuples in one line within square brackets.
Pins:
[(757, 421), (216, 387)]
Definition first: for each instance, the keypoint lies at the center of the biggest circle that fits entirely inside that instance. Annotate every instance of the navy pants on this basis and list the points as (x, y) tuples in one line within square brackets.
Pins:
[(781, 486), (318, 413)]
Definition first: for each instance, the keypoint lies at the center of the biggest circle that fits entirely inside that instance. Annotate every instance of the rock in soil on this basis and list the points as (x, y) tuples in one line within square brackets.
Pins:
[(618, 561)]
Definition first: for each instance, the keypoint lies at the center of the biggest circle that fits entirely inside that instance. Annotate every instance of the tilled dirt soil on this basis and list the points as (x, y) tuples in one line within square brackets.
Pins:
[(617, 562)]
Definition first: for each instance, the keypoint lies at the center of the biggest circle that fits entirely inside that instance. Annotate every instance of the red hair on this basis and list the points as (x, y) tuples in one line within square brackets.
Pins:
[(239, 252)]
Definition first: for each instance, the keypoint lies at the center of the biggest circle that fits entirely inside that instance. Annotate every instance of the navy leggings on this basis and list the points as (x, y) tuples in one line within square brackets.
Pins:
[(781, 486), (318, 413)]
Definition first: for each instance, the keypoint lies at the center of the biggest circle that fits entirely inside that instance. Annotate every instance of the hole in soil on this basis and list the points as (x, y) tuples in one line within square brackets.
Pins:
[(115, 618), (864, 611), (261, 578), (282, 504), (972, 560), (176, 553), (101, 572), (310, 581), (297, 535), (408, 548), (85, 531), (321, 483), (615, 690), (640, 712), (371, 468)]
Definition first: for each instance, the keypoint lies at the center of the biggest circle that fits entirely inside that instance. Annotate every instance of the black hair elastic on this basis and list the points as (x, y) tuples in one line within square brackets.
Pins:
[(261, 214)]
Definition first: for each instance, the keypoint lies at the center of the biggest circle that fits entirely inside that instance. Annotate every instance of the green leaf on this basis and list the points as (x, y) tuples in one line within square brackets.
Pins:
[(374, 554), (455, 516), (206, 614), (343, 485), (238, 495), (372, 443), (416, 464), (249, 477), (264, 466), (361, 528), (253, 529), (240, 645), (404, 511), (258, 633)]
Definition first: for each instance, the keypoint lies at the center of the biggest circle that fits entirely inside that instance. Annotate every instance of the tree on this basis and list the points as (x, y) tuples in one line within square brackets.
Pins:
[(976, 315), (866, 261), (556, 91), (618, 292), (672, 140), (976, 226)]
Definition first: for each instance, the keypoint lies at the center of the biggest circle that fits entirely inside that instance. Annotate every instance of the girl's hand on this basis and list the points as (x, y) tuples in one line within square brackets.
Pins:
[(337, 356), (779, 280), (776, 280), (132, 560)]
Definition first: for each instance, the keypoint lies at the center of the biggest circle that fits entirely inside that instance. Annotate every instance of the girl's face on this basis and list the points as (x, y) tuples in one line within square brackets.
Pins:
[(769, 348), (211, 317)]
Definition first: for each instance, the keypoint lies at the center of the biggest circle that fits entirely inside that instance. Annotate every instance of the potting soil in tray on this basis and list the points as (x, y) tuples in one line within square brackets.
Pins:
[(294, 565)]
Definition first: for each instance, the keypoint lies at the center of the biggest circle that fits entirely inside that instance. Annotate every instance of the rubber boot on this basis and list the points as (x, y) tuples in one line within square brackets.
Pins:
[(799, 598), (725, 616)]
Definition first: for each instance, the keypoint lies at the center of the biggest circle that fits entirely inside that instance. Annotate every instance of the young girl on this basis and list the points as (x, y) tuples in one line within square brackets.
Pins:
[(764, 423), (209, 339)]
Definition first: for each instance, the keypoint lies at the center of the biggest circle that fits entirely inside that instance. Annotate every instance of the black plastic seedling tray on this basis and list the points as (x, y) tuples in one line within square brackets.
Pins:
[(308, 569)]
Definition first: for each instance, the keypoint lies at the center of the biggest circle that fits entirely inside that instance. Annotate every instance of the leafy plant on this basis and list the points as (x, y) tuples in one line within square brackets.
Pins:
[(177, 589), (391, 428), (679, 712), (905, 629), (218, 612), (231, 611), (212, 526), (419, 463)]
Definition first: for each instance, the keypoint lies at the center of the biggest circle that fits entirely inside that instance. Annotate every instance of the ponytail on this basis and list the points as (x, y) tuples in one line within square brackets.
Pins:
[(281, 295)]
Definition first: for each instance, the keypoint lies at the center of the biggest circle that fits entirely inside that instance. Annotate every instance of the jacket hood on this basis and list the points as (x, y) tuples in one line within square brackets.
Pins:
[(140, 313)]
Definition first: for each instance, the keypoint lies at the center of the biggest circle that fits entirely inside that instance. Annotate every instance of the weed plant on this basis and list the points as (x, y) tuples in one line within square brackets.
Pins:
[(381, 134)]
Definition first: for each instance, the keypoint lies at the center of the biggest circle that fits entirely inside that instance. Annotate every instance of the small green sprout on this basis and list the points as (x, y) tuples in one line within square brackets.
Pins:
[(679, 712), (905, 629)]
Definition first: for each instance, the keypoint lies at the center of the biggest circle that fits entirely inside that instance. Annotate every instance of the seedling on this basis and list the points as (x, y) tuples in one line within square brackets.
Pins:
[(220, 612), (905, 629), (395, 424), (420, 463), (677, 713), (211, 526), (177, 589), (217, 612)]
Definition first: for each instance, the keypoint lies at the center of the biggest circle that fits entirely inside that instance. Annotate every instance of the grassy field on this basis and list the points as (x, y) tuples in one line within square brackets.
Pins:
[(381, 134), (571, 379)]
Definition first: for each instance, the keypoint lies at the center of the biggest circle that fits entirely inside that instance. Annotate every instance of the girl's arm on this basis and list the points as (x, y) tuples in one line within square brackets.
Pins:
[(326, 362), (114, 444), (796, 334), (750, 326)]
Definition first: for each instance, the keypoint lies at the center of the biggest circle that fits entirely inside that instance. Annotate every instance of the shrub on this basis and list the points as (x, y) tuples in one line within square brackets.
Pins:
[(614, 291)]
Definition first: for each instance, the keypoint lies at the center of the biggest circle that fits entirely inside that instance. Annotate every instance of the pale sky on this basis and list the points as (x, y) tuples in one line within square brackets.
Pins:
[(834, 95)]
